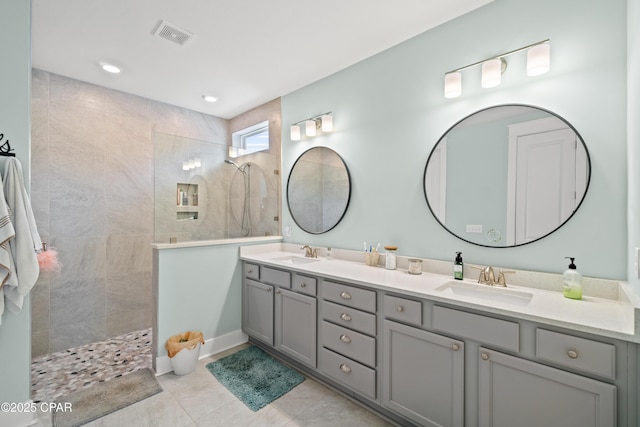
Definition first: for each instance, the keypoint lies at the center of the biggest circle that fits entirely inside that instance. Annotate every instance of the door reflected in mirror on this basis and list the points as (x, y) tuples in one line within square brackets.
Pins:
[(507, 176), (318, 190)]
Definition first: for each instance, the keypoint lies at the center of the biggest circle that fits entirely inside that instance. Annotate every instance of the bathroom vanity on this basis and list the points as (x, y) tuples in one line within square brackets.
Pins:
[(427, 350)]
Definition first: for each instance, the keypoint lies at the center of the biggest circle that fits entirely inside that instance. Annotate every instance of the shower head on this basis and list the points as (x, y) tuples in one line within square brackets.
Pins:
[(241, 169)]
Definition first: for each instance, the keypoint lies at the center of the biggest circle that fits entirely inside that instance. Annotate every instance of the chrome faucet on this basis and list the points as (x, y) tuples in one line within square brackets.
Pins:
[(310, 252), (487, 276)]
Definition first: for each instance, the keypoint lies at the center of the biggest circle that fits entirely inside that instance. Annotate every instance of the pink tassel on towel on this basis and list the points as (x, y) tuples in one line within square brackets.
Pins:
[(48, 259)]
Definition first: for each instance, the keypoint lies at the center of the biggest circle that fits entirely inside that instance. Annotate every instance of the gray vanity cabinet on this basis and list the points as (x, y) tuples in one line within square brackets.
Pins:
[(518, 392), (257, 312), (296, 325), (423, 375)]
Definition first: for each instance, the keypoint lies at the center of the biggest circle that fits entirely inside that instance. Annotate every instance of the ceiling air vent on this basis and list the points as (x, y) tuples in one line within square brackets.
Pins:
[(170, 32)]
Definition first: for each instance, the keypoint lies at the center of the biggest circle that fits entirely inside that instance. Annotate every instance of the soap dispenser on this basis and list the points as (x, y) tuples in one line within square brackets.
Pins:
[(458, 267), (572, 282)]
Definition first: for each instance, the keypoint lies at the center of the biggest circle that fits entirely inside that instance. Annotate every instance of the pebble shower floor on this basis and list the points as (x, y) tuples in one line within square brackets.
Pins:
[(58, 374)]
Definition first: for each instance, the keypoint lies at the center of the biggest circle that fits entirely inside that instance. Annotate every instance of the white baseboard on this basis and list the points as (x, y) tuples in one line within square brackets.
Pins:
[(18, 419), (210, 347)]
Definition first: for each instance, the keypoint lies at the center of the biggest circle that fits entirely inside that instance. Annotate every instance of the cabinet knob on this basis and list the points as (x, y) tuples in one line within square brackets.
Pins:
[(345, 295), (572, 354), (484, 356), (249, 271), (345, 338), (278, 292), (399, 309), (345, 368), (455, 347), (303, 285), (268, 289), (345, 316)]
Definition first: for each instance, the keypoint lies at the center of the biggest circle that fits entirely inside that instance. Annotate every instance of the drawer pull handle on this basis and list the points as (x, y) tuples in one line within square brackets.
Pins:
[(345, 368), (400, 309), (345, 295), (455, 347), (484, 356), (572, 354), (345, 316), (249, 271), (303, 285), (345, 338)]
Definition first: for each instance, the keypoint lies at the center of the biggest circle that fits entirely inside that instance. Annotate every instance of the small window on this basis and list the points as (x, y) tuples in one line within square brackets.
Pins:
[(250, 140)]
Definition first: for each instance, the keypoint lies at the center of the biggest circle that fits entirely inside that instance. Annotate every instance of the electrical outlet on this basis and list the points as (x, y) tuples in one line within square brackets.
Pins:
[(287, 231), (474, 228)]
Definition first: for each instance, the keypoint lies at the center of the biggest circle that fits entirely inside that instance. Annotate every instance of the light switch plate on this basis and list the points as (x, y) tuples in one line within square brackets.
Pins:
[(474, 228)]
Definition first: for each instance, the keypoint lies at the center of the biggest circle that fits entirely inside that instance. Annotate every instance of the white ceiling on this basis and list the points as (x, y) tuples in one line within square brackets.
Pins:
[(244, 52)]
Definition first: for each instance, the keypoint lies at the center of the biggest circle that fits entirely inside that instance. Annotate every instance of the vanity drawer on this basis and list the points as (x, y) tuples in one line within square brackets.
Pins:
[(352, 374), (252, 271), (304, 285), (402, 309), (485, 330), (355, 345), (362, 299), (578, 353), (276, 277), (349, 317)]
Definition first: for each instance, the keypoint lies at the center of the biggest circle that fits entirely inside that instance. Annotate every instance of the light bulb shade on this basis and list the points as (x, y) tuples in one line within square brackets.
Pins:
[(327, 123), (538, 59), (310, 128), (453, 84), (185, 166), (295, 133), (192, 164), (197, 162), (491, 73)]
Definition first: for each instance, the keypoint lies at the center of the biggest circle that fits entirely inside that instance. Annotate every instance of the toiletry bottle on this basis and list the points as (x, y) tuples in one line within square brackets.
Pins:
[(572, 282), (390, 257), (458, 267)]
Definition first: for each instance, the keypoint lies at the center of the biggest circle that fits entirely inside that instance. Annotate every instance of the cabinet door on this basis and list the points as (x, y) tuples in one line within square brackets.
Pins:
[(296, 326), (423, 375), (258, 310), (517, 392)]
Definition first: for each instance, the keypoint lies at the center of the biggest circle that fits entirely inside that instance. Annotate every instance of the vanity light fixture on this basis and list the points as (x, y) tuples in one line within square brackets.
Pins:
[(322, 122), (538, 63)]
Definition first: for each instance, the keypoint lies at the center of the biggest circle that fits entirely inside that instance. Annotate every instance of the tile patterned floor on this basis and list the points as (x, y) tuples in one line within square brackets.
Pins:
[(57, 374), (199, 400)]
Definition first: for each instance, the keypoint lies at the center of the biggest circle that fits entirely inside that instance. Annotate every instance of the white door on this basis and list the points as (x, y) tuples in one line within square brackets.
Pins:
[(545, 184)]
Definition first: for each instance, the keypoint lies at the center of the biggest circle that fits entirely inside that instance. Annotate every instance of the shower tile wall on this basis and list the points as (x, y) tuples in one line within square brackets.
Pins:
[(92, 190)]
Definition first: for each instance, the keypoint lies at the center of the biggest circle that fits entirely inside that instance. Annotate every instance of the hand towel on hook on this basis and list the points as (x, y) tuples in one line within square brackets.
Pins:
[(6, 233), (24, 247)]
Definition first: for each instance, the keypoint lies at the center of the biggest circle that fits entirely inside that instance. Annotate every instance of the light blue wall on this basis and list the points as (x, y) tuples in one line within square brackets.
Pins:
[(633, 137), (199, 289), (389, 111), (15, 80)]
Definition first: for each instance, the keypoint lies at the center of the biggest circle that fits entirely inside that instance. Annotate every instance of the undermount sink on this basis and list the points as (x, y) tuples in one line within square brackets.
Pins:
[(294, 259), (486, 293)]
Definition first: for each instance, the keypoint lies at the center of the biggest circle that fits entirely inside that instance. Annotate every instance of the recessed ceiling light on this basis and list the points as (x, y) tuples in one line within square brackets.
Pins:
[(110, 68), (209, 98)]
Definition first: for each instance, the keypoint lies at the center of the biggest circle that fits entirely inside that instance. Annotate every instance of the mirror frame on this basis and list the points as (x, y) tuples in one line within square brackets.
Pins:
[(346, 206), (444, 135)]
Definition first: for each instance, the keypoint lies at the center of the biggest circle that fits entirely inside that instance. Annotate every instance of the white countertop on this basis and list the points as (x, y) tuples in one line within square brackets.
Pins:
[(612, 316)]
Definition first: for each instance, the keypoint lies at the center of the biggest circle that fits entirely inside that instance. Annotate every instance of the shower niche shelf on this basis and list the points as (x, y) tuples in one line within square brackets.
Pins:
[(186, 202)]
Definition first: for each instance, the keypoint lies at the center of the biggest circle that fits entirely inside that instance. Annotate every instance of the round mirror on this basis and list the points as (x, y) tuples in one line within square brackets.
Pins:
[(318, 190), (506, 176)]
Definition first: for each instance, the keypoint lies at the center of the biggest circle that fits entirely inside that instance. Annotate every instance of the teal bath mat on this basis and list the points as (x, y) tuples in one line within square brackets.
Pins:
[(254, 377)]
